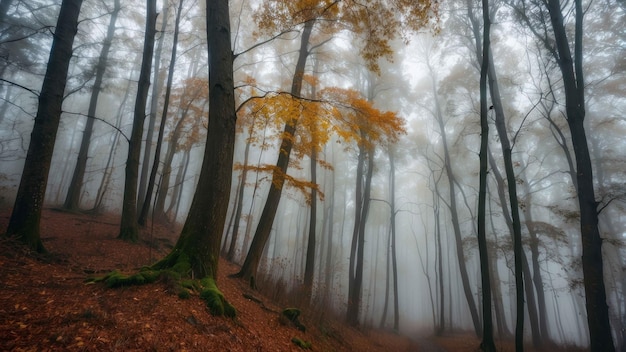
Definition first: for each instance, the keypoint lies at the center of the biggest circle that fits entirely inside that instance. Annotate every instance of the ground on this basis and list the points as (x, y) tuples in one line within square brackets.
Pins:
[(45, 304)]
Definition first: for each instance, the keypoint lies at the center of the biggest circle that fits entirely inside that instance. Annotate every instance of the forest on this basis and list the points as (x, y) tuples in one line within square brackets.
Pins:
[(426, 167)]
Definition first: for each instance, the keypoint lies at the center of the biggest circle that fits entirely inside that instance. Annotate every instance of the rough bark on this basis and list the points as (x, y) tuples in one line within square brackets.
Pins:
[(201, 235), (26, 215)]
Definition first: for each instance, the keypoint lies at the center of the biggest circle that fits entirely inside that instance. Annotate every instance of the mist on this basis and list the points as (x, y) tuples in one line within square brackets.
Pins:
[(408, 117)]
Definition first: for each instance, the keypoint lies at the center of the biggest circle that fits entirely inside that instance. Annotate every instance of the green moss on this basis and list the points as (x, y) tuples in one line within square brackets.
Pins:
[(215, 300), (292, 315), (171, 270), (184, 294), (301, 343)]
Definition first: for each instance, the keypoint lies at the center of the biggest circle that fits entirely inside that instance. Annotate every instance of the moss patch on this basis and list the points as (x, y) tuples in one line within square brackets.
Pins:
[(301, 343), (172, 270), (292, 314), (215, 300)]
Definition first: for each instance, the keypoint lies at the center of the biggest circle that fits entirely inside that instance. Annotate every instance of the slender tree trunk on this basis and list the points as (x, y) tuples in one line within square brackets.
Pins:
[(26, 215), (394, 256), (452, 205), (154, 105), (355, 283), (157, 153), (108, 168), (201, 236), (129, 230), (76, 184), (573, 83), (240, 193), (262, 234), (177, 193), (487, 344), (309, 269)]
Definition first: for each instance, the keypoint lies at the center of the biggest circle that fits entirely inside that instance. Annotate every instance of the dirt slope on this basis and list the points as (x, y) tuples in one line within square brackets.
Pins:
[(46, 306)]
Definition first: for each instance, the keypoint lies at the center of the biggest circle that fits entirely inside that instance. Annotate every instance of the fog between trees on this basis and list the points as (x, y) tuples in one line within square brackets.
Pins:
[(380, 111)]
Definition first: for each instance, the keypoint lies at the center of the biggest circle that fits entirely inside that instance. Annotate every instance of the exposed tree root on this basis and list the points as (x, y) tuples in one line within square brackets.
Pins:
[(174, 270)]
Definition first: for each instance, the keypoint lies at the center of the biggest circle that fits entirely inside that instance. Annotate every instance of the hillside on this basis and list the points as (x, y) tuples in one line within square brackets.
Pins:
[(46, 306)]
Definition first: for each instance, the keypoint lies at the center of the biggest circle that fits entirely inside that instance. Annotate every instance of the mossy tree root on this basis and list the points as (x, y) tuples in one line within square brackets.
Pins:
[(174, 269)]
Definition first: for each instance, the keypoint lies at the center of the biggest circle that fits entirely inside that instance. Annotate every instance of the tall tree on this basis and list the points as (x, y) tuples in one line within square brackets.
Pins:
[(157, 86), (452, 202), (143, 215), (198, 246), (72, 198), (129, 229), (353, 16), (487, 344), (494, 91), (26, 215), (264, 228), (570, 63), (571, 67)]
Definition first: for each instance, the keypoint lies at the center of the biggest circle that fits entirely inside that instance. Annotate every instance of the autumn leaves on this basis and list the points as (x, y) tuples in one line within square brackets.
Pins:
[(342, 114)]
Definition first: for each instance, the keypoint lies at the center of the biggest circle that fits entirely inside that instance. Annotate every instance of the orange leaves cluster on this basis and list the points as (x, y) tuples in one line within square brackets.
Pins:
[(343, 112), (356, 120)]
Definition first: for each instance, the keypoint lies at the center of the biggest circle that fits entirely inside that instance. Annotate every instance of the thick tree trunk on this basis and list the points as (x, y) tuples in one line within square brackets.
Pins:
[(201, 235), (264, 228), (72, 199), (26, 215), (129, 229), (143, 215), (573, 83)]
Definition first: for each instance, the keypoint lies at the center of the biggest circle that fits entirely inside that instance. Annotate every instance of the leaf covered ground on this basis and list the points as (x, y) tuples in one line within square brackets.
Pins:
[(45, 304)]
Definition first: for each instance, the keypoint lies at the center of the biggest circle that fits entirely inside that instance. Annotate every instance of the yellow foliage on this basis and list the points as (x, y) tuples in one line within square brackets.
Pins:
[(376, 22)]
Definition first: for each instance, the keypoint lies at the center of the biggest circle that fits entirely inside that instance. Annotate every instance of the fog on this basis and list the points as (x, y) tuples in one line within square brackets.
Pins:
[(431, 82)]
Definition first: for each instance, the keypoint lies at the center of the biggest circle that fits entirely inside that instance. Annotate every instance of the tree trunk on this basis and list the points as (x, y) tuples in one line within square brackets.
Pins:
[(309, 269), (72, 198), (240, 193), (154, 105), (157, 153), (573, 83), (264, 228), (129, 230), (357, 251), (487, 344), (26, 215), (108, 168), (394, 257), (452, 205), (201, 236)]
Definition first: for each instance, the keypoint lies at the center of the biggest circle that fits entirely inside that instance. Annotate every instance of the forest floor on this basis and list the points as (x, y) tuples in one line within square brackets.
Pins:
[(45, 304)]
